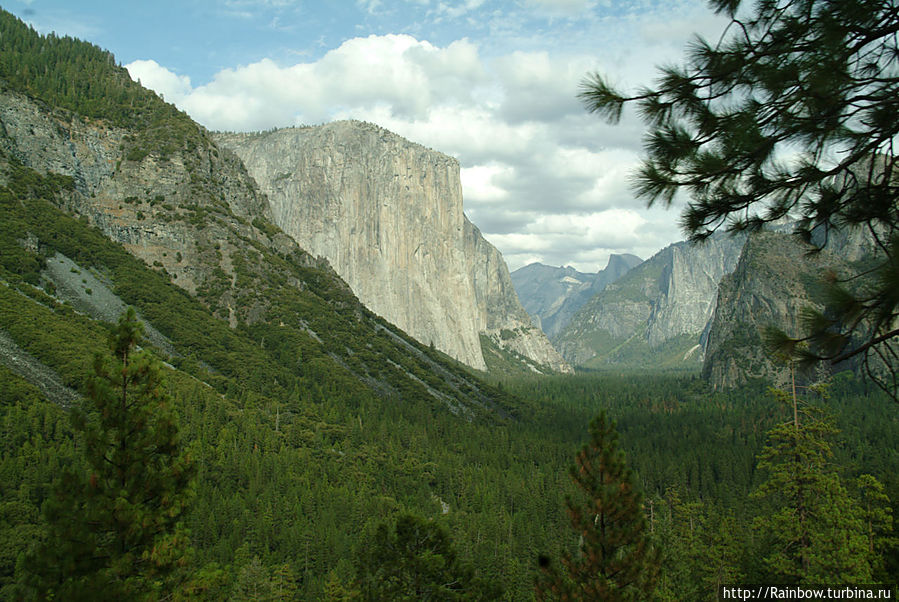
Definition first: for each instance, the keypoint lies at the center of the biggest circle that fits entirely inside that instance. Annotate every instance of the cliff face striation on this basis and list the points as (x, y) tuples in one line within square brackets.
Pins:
[(185, 211), (656, 312), (242, 288), (387, 215)]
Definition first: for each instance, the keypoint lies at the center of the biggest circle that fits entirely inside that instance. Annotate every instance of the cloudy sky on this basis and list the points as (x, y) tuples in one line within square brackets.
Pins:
[(490, 82)]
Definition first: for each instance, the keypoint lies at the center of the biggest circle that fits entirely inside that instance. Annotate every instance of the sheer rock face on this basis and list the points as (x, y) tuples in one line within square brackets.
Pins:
[(689, 286), (500, 314), (669, 297), (387, 214), (58, 142), (775, 279), (186, 214)]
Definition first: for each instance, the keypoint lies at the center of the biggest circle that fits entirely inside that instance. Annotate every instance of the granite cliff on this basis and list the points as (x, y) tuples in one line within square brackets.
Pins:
[(184, 211), (188, 209), (656, 312), (775, 279), (387, 215)]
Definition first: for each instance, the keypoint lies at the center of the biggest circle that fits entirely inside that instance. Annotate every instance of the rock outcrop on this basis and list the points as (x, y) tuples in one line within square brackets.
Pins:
[(774, 280), (188, 209), (387, 215), (184, 213), (655, 313), (553, 295)]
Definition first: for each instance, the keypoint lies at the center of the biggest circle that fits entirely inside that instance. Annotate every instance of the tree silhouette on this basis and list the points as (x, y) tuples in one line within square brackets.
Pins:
[(791, 113), (814, 528)]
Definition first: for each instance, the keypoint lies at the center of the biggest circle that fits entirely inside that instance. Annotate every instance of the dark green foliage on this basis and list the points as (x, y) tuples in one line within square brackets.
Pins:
[(255, 581), (114, 532), (814, 529), (416, 560), (36, 445), (876, 517), (68, 73), (312, 420), (810, 77), (290, 442), (702, 547), (296, 457), (694, 453), (615, 559)]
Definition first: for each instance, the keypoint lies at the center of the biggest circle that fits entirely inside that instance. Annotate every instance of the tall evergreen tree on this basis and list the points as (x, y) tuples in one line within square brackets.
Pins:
[(877, 522), (815, 527), (615, 559), (701, 548), (114, 532)]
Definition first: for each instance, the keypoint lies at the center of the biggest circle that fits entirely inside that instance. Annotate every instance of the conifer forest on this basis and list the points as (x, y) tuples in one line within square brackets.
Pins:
[(248, 430)]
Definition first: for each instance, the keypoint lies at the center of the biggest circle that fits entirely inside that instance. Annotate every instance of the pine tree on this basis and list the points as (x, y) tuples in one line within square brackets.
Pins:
[(790, 113), (815, 527), (877, 521), (253, 582), (701, 548), (615, 559), (336, 590), (417, 561), (114, 532)]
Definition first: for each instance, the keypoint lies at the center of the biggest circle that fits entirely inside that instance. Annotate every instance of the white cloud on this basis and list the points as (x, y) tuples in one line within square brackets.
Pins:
[(583, 241), (539, 87), (471, 133), (457, 9), (543, 179), (174, 88), (396, 72), (480, 188)]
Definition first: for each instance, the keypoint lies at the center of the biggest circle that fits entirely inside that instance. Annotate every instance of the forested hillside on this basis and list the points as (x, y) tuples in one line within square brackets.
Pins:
[(297, 457), (325, 442), (275, 356)]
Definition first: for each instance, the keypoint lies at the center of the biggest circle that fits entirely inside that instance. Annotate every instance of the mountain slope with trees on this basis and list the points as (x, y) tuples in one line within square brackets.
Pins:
[(655, 314), (316, 428)]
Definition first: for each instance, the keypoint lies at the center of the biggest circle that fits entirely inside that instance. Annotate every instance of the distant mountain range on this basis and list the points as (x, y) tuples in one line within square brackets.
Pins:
[(654, 314), (699, 307), (552, 295), (368, 216)]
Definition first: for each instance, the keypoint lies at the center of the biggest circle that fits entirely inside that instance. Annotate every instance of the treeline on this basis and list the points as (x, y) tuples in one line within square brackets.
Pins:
[(299, 467), (80, 77), (293, 494), (298, 458), (304, 467)]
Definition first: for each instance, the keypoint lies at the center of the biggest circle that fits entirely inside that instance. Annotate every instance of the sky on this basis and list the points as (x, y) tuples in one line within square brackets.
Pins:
[(493, 83)]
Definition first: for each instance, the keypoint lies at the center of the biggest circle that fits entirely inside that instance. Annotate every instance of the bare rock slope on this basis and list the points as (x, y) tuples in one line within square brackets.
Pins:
[(775, 280)]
